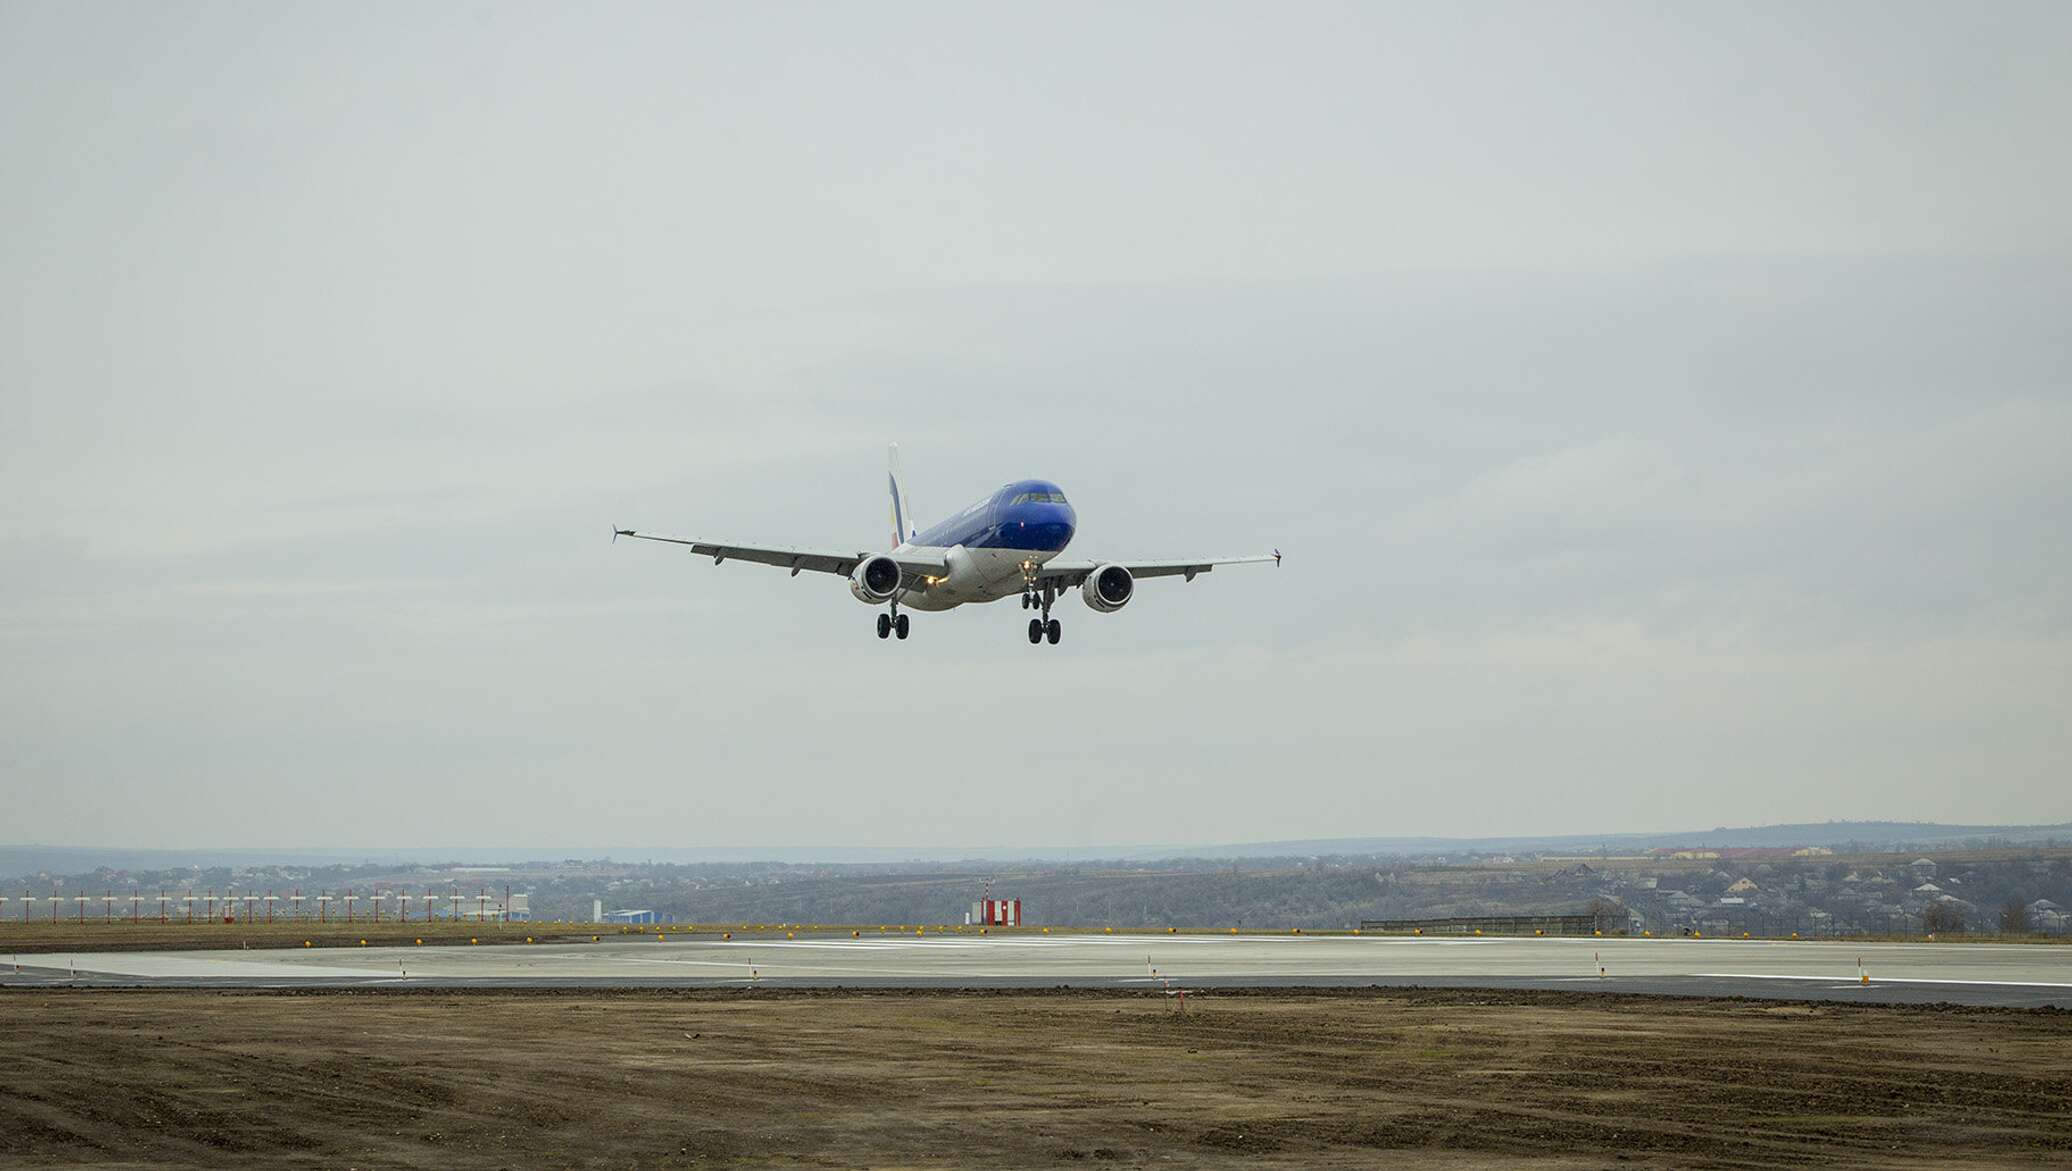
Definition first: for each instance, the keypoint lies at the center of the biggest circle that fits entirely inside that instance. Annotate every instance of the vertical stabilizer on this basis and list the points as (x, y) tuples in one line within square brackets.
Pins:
[(902, 517)]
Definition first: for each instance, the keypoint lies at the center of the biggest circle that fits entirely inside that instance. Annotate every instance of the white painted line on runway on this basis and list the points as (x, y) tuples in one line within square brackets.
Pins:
[(679, 960)]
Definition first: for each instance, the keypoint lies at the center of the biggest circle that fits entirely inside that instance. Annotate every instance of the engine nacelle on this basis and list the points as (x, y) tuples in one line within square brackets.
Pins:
[(1108, 588), (875, 579)]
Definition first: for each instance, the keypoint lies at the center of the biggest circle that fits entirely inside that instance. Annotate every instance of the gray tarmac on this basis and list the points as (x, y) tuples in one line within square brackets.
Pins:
[(1938, 972)]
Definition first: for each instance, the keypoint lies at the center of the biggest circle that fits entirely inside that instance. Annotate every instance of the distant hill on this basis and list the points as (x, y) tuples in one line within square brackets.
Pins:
[(23, 860), (1860, 835)]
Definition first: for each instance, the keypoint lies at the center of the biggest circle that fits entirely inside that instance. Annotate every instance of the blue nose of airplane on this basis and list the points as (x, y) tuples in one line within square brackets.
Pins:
[(1046, 527)]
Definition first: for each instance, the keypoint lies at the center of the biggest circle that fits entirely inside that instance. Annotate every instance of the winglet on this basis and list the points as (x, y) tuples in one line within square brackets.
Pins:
[(1276, 558)]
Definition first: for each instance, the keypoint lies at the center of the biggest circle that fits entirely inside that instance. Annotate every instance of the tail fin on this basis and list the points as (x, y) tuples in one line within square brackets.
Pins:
[(902, 517)]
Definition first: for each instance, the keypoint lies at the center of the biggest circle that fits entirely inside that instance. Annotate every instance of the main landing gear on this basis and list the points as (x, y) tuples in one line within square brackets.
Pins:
[(894, 623), (1045, 627)]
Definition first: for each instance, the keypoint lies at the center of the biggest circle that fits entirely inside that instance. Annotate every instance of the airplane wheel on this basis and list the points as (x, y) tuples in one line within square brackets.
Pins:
[(884, 625), (1054, 631), (1035, 631), (899, 625)]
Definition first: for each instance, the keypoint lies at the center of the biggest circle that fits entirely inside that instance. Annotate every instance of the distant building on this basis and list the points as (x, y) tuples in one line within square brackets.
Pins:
[(1731, 853), (1743, 887), (1922, 868), (630, 917), (487, 908)]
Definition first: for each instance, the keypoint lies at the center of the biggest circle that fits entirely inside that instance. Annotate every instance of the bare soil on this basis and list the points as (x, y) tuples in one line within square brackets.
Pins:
[(683, 1078)]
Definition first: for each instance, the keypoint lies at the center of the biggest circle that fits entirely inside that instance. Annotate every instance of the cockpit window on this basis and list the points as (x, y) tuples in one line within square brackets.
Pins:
[(1039, 498)]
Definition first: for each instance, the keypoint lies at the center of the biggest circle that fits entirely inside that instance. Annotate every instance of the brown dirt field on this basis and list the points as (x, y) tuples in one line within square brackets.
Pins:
[(1358, 1078)]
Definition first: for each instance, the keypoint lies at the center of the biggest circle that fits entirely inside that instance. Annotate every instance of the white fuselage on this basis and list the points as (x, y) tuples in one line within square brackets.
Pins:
[(976, 575)]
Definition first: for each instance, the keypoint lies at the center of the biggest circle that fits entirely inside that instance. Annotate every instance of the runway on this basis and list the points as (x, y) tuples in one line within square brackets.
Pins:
[(1988, 974)]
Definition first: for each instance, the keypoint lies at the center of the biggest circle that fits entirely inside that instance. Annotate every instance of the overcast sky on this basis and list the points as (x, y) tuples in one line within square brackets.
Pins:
[(1666, 412)]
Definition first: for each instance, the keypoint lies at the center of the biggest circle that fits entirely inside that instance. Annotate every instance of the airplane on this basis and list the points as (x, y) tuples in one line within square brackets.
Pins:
[(1006, 543)]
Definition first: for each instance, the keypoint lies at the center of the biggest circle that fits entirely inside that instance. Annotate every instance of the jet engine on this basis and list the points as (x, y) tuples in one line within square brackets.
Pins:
[(1108, 588), (875, 579)]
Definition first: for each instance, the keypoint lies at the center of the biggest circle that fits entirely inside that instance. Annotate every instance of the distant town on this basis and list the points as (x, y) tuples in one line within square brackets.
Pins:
[(1984, 885)]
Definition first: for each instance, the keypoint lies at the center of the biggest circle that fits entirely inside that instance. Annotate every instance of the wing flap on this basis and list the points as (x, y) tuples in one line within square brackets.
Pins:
[(911, 563), (782, 556), (1066, 574)]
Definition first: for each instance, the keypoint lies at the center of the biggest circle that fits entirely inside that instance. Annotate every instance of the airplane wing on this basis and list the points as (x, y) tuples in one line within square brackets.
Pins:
[(1066, 574), (911, 563)]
